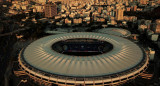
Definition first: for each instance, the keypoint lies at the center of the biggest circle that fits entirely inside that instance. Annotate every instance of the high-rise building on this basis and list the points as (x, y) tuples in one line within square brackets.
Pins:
[(9, 0), (143, 2), (50, 10), (119, 14), (135, 8)]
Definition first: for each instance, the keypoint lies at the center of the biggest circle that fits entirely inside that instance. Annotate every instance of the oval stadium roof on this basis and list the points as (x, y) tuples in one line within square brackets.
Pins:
[(115, 31), (124, 56)]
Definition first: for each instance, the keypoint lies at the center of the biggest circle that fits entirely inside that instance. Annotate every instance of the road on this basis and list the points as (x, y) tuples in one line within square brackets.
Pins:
[(13, 32)]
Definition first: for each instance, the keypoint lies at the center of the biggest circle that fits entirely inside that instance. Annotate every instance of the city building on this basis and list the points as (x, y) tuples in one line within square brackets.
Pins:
[(9, 0), (143, 2), (57, 17), (1, 1), (39, 8), (24, 7), (134, 8), (67, 21), (142, 27), (50, 10), (128, 8), (151, 53), (77, 21), (119, 14), (42, 1), (134, 36), (154, 37), (112, 21), (156, 26), (100, 9), (112, 12), (96, 1), (14, 12)]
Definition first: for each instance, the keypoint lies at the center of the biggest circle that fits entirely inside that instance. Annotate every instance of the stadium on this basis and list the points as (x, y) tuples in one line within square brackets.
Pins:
[(115, 31), (83, 58)]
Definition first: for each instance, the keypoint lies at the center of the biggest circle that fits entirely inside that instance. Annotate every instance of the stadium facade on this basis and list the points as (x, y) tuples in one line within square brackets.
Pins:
[(125, 61)]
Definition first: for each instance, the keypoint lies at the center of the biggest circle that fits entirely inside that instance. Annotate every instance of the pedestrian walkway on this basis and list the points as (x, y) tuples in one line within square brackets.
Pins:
[(146, 75)]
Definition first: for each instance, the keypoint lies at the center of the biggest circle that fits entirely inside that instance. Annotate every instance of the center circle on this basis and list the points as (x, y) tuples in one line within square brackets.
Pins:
[(82, 47)]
